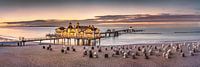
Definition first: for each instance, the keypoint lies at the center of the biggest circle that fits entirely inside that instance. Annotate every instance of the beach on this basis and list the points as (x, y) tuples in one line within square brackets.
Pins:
[(99, 33), (36, 56)]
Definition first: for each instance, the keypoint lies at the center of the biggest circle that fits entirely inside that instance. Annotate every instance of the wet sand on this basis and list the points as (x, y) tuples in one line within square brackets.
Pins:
[(36, 56)]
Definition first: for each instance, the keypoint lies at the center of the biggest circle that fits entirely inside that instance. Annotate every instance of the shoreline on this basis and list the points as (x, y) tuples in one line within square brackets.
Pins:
[(34, 55), (147, 43)]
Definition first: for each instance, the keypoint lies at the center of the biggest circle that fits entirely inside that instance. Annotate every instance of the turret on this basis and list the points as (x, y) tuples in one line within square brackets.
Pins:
[(77, 25), (90, 26), (70, 25)]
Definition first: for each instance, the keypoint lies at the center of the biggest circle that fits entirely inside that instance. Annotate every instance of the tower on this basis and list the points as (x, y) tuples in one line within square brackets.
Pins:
[(77, 25), (70, 25)]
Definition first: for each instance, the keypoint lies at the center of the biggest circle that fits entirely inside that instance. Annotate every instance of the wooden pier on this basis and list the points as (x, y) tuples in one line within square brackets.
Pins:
[(113, 33), (78, 40)]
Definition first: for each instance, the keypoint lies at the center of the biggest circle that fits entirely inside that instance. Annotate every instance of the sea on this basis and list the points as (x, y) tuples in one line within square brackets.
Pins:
[(154, 32)]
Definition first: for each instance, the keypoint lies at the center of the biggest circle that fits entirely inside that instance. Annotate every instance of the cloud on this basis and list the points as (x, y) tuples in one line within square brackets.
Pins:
[(30, 2), (147, 17), (34, 2), (198, 8)]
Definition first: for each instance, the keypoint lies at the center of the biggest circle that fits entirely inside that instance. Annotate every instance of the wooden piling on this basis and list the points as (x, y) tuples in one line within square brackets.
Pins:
[(54, 41), (78, 42), (64, 41)]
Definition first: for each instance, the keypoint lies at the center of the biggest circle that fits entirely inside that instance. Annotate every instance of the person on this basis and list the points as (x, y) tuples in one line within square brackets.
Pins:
[(106, 49), (49, 46), (92, 48), (84, 47), (74, 49), (43, 47), (111, 47)]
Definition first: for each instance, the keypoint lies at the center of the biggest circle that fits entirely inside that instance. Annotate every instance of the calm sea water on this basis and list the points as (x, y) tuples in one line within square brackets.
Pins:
[(166, 32)]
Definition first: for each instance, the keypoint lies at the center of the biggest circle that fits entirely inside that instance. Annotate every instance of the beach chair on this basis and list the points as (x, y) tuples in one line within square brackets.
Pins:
[(133, 56), (95, 55)]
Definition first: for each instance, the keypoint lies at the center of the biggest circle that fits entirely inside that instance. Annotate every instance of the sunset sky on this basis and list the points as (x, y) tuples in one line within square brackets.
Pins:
[(25, 10)]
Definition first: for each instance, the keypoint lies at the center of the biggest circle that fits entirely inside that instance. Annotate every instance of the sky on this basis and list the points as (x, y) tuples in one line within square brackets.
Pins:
[(26, 10)]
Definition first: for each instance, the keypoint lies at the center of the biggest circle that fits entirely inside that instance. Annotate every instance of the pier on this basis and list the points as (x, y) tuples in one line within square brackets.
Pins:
[(77, 35), (78, 40)]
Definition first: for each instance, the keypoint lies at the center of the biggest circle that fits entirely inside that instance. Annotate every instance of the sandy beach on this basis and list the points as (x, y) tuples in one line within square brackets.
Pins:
[(36, 56)]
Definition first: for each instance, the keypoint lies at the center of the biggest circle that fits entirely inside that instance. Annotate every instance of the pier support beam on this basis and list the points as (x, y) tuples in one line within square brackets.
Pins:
[(78, 42), (50, 41), (64, 41), (57, 41), (83, 42), (23, 43), (40, 42), (54, 41), (99, 41), (89, 42), (75, 41), (94, 42), (69, 41)]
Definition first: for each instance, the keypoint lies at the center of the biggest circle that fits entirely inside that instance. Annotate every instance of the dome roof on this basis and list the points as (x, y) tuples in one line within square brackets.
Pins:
[(62, 28), (70, 25)]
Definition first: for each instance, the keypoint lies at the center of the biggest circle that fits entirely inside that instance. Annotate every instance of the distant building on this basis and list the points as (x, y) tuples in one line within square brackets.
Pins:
[(78, 31)]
